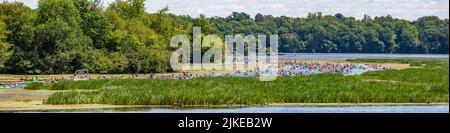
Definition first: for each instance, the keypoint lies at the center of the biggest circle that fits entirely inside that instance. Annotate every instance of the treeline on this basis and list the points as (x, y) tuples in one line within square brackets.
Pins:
[(62, 36), (340, 34)]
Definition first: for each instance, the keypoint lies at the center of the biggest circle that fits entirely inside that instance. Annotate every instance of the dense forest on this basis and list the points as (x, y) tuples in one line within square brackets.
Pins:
[(62, 36)]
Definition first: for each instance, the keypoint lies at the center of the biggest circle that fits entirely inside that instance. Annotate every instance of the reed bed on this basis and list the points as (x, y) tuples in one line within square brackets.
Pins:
[(428, 84), (35, 86)]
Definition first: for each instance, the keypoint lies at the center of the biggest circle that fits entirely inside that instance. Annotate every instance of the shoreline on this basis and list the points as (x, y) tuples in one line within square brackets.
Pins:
[(7, 78)]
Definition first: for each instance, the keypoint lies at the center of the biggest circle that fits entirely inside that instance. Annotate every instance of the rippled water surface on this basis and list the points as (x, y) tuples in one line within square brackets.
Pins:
[(273, 109)]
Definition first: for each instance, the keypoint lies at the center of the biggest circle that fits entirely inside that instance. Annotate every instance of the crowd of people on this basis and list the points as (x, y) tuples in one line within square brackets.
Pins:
[(284, 69), (281, 69), (304, 68)]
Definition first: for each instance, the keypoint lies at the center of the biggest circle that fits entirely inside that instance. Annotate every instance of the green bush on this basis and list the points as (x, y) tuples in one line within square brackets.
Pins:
[(35, 86)]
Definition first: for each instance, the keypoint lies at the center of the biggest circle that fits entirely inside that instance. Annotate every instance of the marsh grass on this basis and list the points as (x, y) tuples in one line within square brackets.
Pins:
[(415, 85), (35, 86)]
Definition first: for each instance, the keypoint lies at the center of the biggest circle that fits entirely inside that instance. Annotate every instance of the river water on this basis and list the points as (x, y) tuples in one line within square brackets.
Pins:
[(344, 56), (265, 109)]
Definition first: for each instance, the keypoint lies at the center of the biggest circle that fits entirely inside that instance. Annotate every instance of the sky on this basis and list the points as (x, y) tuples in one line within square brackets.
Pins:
[(404, 9)]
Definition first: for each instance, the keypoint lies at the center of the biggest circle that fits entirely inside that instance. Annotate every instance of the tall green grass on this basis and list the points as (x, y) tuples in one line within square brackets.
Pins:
[(415, 85), (79, 85), (35, 86)]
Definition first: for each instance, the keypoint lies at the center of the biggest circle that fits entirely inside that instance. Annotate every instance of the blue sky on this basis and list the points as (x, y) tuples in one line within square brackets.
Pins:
[(405, 9)]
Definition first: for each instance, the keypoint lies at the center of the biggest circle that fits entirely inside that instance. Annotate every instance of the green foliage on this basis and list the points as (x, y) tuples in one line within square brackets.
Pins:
[(433, 33), (75, 85), (129, 8), (62, 36), (12, 16), (35, 86), (95, 25), (326, 33), (4, 46), (64, 10), (98, 61)]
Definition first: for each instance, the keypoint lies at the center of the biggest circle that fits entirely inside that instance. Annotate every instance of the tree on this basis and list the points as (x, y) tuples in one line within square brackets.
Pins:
[(4, 46), (366, 18), (128, 8), (96, 26), (259, 18), (203, 22), (14, 15), (339, 16), (61, 36), (101, 61), (94, 23), (372, 43), (238, 16), (387, 33), (59, 43), (58, 9), (52, 43), (408, 38), (433, 34)]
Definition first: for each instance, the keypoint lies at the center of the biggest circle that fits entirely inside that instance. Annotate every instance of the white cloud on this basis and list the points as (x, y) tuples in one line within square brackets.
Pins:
[(407, 9)]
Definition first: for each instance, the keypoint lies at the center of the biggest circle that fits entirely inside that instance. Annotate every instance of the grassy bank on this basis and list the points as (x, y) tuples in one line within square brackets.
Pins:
[(427, 84)]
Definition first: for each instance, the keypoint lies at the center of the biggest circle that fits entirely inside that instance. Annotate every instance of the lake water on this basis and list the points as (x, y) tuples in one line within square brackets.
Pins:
[(269, 109)]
